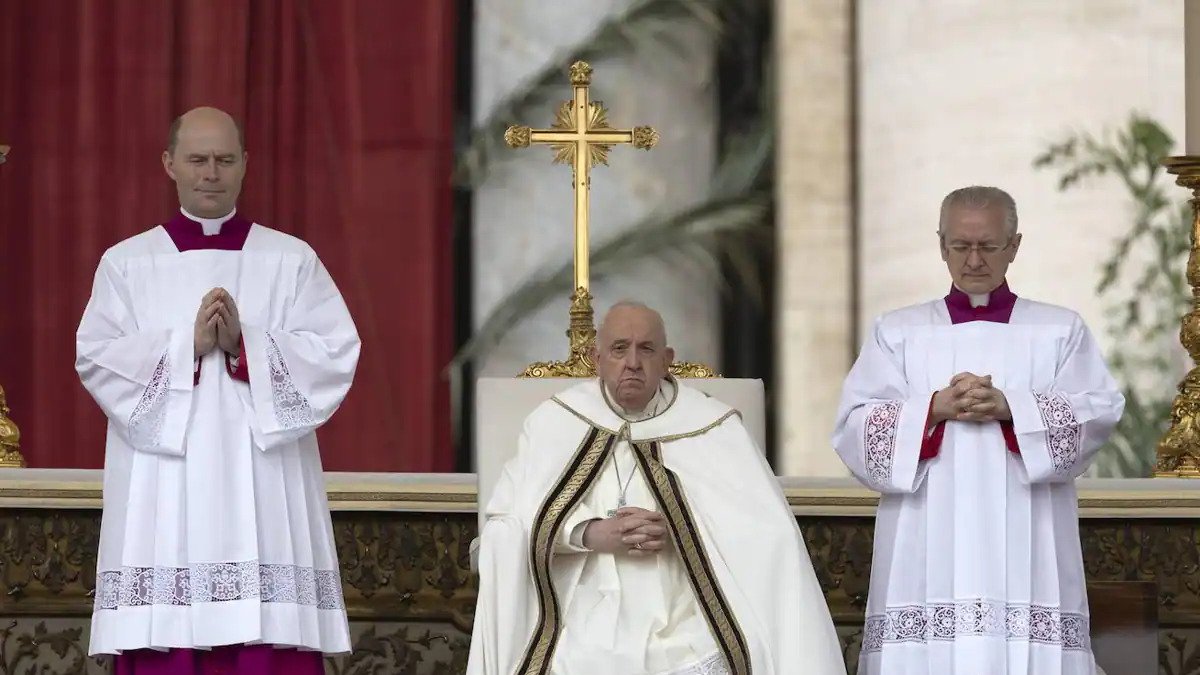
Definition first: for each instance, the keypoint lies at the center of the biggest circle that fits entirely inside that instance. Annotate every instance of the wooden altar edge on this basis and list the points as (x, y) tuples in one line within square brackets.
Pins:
[(456, 493)]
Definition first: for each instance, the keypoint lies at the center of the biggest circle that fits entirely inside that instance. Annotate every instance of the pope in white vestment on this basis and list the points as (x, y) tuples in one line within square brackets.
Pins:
[(215, 529), (708, 575), (973, 415)]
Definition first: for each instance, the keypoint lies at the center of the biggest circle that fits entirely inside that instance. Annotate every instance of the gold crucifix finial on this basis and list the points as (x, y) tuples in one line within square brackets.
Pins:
[(581, 137)]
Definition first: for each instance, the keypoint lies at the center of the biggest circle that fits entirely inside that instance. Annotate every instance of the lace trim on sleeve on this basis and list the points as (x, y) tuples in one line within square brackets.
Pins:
[(292, 410), (879, 437), (1062, 430), (146, 421)]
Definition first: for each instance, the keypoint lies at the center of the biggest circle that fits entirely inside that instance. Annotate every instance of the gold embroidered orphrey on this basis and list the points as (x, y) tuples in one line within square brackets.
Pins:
[(574, 484), (582, 137), (10, 436), (1178, 453)]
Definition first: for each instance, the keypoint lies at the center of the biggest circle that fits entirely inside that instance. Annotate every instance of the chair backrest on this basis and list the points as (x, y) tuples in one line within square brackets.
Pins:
[(503, 403)]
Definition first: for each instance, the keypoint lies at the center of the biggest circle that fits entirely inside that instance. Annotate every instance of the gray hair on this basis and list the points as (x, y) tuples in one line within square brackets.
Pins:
[(634, 304), (980, 197)]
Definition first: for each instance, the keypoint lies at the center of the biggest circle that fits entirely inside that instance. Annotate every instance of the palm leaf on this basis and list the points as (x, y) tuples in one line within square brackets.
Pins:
[(1148, 258)]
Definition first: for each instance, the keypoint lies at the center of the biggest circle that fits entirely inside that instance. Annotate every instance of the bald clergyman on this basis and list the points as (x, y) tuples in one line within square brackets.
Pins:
[(640, 531), (215, 347)]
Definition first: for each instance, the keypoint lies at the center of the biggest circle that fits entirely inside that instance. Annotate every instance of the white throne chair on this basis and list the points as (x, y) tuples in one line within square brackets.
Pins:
[(502, 403)]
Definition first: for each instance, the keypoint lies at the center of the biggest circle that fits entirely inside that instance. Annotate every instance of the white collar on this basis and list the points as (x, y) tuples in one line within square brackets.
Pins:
[(211, 226), (658, 403), (977, 299)]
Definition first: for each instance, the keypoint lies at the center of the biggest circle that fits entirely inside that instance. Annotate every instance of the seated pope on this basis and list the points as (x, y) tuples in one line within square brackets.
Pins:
[(639, 530)]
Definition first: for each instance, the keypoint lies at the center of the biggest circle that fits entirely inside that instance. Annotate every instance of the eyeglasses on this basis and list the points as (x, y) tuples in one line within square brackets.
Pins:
[(983, 249)]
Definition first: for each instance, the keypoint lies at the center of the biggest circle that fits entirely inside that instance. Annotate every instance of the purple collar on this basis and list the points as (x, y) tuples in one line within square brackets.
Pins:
[(188, 234), (998, 309)]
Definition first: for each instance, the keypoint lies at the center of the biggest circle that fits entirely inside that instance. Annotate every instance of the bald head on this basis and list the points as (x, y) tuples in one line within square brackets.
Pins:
[(202, 117), (206, 159), (627, 310), (632, 356)]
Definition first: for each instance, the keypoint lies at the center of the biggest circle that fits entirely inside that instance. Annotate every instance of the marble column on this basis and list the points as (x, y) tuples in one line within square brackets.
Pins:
[(814, 229), (523, 212), (1191, 73)]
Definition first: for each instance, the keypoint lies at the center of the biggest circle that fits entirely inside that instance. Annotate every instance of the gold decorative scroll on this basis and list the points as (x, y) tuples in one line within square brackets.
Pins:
[(10, 436), (1179, 450), (581, 136)]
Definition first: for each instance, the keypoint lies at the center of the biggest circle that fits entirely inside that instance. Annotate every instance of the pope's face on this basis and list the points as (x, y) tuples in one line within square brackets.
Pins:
[(632, 356), (977, 247), (208, 166)]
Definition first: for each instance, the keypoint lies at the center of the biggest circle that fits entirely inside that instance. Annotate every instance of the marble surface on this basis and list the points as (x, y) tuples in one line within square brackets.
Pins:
[(449, 493)]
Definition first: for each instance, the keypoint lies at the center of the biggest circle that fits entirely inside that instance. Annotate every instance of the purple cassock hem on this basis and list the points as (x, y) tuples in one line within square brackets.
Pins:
[(231, 660), (188, 234), (998, 309)]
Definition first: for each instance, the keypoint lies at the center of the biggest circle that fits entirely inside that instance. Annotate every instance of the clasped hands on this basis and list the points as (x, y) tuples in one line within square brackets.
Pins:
[(633, 531), (217, 324), (970, 398)]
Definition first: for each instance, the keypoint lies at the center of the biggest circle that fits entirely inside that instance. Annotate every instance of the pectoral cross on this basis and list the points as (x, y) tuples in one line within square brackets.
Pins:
[(580, 136)]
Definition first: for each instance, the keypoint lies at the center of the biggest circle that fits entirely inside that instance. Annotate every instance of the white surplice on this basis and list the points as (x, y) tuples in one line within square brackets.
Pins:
[(977, 564), (216, 529), (732, 534)]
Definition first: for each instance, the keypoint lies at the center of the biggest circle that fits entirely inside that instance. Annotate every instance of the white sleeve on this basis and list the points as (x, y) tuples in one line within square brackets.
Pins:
[(880, 424), (1060, 429), (141, 379), (301, 372)]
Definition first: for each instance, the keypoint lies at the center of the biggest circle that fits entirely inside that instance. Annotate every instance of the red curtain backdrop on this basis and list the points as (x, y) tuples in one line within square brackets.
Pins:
[(347, 109)]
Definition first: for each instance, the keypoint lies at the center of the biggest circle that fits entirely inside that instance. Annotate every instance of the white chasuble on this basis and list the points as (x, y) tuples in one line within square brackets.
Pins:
[(734, 592), (977, 565), (216, 529)]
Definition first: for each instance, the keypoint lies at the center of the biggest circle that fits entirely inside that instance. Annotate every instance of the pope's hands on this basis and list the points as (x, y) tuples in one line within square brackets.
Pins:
[(633, 531)]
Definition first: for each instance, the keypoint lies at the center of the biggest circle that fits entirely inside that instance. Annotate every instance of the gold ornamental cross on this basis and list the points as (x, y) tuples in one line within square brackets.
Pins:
[(581, 136)]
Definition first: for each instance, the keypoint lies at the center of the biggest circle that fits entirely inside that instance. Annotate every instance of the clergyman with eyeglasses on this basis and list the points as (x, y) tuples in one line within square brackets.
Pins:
[(972, 415)]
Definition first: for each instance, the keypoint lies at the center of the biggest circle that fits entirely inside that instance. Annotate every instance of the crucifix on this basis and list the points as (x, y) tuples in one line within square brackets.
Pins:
[(10, 436), (582, 137)]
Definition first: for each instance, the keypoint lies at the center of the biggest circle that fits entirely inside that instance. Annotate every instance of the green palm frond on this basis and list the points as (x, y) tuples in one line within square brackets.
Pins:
[(1149, 259), (643, 25)]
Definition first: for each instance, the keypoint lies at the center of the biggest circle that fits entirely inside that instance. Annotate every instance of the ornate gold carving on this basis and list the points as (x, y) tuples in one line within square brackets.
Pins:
[(581, 74), (411, 595), (644, 138), (693, 370), (410, 649), (10, 437), (596, 120), (517, 136), (582, 338), (41, 650), (407, 567), (1179, 449)]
